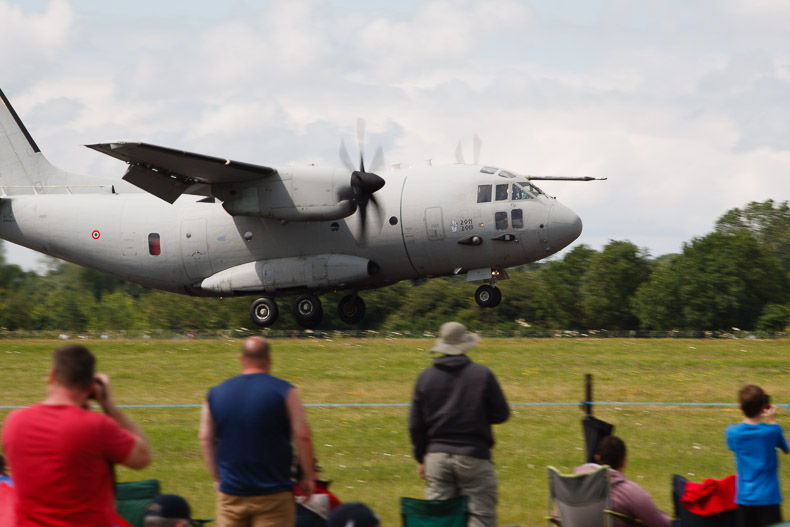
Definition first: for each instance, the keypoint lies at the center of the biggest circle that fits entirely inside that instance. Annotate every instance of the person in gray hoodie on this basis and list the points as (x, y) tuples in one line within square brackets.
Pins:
[(454, 404)]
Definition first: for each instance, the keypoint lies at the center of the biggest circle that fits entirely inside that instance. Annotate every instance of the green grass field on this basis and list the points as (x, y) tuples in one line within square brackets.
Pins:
[(366, 451)]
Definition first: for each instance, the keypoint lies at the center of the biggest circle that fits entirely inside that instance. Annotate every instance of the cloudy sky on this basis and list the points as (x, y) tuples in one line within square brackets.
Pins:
[(684, 106)]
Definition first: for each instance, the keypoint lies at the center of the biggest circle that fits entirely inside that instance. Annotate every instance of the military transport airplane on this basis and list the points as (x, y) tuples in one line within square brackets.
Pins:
[(206, 226)]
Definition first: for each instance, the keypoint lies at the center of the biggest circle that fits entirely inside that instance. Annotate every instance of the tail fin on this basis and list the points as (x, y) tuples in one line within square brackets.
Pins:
[(22, 165)]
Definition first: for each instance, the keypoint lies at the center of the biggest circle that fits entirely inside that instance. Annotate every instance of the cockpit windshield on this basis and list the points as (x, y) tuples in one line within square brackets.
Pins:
[(526, 187)]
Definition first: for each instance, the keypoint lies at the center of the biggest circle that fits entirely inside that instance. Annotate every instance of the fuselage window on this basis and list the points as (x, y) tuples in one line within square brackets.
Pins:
[(483, 193), (501, 192), (519, 193), (517, 218), (154, 244), (500, 219), (488, 170)]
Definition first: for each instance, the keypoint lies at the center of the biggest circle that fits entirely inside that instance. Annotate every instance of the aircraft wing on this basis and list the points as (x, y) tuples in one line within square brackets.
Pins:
[(167, 173)]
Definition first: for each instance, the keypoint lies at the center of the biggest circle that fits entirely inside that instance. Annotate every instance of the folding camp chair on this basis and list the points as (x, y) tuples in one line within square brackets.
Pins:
[(133, 497), (594, 430), (690, 519), (434, 513), (582, 500)]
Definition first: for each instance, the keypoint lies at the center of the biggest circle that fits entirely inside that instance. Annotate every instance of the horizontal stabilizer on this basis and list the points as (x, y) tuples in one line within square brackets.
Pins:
[(167, 173)]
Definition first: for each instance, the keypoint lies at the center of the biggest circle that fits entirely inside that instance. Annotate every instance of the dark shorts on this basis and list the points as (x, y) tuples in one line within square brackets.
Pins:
[(759, 515)]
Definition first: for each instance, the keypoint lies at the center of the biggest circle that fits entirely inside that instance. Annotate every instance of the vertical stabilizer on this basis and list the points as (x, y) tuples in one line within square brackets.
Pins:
[(22, 165)]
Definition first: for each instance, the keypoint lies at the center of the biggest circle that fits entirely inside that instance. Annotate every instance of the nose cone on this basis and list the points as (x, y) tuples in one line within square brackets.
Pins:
[(564, 227)]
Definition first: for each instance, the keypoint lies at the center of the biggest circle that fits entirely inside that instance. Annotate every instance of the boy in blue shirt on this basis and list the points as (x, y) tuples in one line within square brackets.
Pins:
[(754, 443)]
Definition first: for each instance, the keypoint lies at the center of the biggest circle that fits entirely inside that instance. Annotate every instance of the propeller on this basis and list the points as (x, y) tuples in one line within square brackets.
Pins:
[(459, 154), (363, 184)]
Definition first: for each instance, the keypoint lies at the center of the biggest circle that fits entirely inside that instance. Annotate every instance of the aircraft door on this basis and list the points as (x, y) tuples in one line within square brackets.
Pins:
[(194, 248), (433, 223)]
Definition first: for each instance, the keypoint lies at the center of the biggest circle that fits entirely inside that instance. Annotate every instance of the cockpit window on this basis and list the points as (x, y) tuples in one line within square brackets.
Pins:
[(505, 173), (483, 193), (501, 192), (533, 189), (488, 170), (500, 220), (517, 218), (529, 187), (519, 193)]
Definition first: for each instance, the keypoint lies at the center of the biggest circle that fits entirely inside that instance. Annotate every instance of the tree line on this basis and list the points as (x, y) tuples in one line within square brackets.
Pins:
[(737, 276)]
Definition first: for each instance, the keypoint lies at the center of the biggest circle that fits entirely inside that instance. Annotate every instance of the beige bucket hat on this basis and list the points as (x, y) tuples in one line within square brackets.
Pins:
[(454, 339)]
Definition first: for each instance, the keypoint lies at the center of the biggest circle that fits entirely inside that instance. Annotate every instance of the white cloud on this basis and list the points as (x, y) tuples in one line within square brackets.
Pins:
[(683, 106), (42, 33)]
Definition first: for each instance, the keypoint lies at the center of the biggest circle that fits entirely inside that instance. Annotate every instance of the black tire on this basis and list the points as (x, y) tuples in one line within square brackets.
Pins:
[(264, 312), (488, 296), (308, 311), (351, 309), (497, 297)]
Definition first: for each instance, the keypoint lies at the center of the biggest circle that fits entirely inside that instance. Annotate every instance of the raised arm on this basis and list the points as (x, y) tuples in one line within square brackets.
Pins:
[(140, 455)]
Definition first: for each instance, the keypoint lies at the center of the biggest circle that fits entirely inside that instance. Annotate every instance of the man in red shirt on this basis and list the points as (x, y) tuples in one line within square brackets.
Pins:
[(61, 453)]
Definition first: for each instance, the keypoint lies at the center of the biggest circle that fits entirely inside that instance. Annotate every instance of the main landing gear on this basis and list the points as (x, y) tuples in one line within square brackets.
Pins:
[(488, 296), (307, 310)]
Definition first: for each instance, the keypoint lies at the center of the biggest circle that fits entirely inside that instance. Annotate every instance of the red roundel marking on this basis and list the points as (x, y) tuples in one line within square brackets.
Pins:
[(95, 235)]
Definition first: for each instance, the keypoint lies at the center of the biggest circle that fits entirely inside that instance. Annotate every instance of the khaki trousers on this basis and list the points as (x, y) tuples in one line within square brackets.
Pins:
[(451, 475), (270, 510)]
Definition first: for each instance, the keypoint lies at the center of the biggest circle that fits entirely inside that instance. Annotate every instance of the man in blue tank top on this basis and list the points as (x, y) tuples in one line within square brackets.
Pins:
[(247, 425)]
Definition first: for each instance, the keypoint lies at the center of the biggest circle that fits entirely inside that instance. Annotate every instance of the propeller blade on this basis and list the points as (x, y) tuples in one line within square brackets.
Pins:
[(379, 211), (378, 163), (459, 154), (363, 217), (344, 157), (361, 141), (478, 147)]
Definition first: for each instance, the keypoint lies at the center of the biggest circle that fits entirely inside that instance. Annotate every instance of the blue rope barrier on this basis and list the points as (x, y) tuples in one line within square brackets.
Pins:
[(399, 405)]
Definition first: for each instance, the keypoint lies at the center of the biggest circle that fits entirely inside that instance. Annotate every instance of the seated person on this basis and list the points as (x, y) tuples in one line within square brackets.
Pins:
[(315, 510), (168, 510), (627, 497), (353, 515)]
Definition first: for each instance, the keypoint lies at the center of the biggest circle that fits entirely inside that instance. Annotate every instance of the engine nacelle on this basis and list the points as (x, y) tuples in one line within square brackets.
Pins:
[(313, 195), (323, 271)]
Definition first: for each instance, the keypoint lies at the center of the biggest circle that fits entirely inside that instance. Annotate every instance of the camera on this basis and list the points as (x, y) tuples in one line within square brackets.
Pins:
[(97, 383)]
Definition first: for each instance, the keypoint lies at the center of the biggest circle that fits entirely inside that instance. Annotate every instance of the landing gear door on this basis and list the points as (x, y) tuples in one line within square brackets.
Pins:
[(433, 223), (194, 249)]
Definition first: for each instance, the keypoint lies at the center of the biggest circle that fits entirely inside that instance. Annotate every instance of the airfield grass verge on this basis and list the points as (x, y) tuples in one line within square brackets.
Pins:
[(366, 450)]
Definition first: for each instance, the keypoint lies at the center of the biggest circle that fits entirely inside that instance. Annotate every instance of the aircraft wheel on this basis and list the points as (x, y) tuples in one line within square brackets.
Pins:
[(488, 296), (351, 309), (264, 312), (308, 311)]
